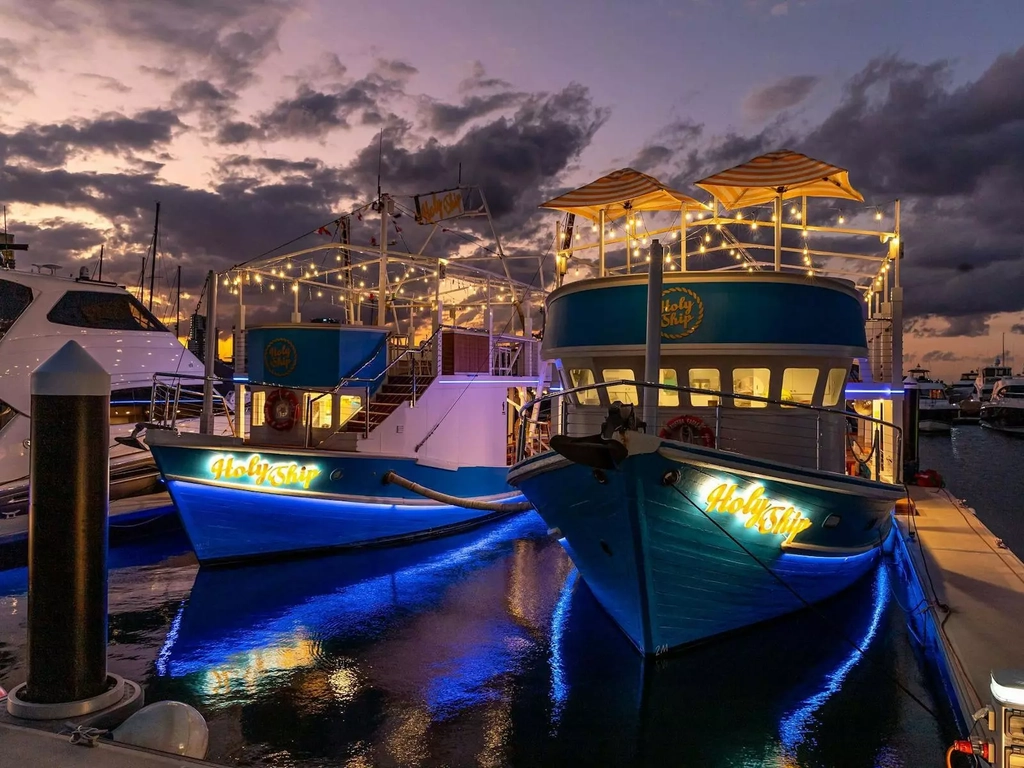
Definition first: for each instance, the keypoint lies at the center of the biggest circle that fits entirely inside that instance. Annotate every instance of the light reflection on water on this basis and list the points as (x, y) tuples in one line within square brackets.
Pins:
[(488, 649)]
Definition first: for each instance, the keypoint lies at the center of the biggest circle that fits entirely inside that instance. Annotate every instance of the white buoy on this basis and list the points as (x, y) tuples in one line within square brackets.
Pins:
[(166, 726)]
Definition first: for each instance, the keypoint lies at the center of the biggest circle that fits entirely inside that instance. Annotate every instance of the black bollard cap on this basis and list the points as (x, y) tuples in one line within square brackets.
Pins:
[(71, 371)]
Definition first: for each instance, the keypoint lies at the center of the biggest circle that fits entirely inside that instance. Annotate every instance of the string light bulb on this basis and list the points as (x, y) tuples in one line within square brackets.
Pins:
[(842, 219), (878, 215)]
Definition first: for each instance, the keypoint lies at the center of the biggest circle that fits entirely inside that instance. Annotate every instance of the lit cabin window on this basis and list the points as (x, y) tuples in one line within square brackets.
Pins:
[(798, 385), (668, 397), (584, 377), (834, 386), (349, 406), (259, 399), (624, 393), (705, 378), (321, 411), (750, 381)]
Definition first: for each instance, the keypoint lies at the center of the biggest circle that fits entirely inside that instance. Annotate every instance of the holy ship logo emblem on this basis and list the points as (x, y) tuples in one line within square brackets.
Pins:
[(682, 312), (280, 357)]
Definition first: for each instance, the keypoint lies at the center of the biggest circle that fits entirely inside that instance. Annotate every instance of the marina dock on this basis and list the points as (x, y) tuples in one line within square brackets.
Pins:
[(31, 747), (971, 596)]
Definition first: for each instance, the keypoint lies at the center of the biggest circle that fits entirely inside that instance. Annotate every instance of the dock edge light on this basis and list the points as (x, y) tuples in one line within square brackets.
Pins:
[(1007, 689)]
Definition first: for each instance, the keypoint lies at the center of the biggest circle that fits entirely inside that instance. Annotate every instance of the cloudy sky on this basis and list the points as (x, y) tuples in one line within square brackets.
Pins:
[(254, 121)]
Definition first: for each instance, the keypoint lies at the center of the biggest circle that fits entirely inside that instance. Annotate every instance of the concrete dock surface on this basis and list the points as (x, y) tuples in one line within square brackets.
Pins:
[(31, 747), (964, 566)]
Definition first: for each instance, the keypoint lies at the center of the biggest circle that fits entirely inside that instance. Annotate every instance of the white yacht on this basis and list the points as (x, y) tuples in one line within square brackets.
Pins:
[(987, 379), (40, 311), (1005, 410), (936, 412), (964, 388)]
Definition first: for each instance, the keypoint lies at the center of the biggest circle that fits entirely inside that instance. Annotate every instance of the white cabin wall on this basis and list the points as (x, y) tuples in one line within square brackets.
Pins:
[(472, 434)]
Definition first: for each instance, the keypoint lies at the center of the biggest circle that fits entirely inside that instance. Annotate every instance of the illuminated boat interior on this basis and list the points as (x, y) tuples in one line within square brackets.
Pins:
[(774, 301)]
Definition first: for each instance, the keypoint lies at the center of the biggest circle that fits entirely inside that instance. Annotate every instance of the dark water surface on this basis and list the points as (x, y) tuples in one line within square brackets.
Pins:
[(986, 469), (486, 649)]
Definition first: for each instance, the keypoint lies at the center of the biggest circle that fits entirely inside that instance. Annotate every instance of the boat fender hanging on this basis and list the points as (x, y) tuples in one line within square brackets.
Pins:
[(688, 429), (281, 410)]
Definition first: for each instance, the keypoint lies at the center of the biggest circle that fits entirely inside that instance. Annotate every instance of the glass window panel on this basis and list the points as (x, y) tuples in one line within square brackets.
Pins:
[(348, 406), (624, 393), (668, 397), (584, 377), (259, 400), (103, 310), (705, 378), (798, 385), (834, 386), (750, 381), (14, 299), (321, 417)]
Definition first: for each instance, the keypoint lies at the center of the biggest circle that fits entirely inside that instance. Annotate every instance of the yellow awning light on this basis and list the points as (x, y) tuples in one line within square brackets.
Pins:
[(620, 194), (786, 173)]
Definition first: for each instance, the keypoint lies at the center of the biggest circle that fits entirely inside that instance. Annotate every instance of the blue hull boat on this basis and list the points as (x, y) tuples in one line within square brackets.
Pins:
[(681, 544), (713, 461), (238, 505)]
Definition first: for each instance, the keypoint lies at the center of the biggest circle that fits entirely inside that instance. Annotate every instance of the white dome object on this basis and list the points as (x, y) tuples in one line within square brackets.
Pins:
[(166, 726)]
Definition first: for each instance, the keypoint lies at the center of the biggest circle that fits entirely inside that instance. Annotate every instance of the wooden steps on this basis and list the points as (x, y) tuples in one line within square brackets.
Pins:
[(392, 394)]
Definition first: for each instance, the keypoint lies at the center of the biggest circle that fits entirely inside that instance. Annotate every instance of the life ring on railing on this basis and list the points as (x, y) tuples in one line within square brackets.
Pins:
[(689, 429), (281, 410)]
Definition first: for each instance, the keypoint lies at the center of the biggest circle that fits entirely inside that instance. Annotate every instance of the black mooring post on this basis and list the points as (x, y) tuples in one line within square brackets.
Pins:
[(67, 539), (911, 429)]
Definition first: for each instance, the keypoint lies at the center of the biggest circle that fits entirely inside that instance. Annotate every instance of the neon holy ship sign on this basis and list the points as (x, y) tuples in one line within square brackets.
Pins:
[(275, 475), (763, 515)]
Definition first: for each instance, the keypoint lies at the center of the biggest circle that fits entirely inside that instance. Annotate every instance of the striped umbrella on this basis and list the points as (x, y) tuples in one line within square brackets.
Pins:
[(777, 176), (620, 193)]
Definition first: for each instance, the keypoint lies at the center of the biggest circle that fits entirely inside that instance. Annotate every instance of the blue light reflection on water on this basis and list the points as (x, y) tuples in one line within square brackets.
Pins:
[(488, 648), (793, 728), (559, 687)]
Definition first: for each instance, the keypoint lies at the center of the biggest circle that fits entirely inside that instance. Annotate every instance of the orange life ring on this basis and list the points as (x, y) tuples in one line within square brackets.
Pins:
[(689, 429), (281, 410)]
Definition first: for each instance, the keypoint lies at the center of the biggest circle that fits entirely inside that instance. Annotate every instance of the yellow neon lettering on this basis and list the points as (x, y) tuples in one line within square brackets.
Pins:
[(762, 514), (259, 472)]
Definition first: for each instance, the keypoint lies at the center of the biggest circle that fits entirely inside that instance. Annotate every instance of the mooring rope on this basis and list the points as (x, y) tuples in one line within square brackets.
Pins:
[(455, 501)]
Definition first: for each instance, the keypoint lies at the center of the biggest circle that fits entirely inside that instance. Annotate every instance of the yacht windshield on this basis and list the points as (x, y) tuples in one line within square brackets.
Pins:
[(103, 310), (14, 299)]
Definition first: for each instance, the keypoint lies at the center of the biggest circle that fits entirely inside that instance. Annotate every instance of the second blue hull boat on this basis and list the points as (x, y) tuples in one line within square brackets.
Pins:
[(711, 466), (660, 540)]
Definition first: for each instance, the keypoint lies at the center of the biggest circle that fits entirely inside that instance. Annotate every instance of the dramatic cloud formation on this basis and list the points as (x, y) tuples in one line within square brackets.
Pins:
[(53, 145), (223, 40), (253, 121), (778, 96)]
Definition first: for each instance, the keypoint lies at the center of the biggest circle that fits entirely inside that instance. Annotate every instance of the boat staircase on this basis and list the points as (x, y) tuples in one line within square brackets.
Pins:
[(396, 390)]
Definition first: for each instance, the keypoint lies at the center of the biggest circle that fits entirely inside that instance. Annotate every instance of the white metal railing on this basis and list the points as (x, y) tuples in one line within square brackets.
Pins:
[(799, 434), (167, 406)]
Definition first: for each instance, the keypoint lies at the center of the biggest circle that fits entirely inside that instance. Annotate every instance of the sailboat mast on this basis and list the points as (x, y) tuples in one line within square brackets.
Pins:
[(100, 277), (152, 266), (177, 306)]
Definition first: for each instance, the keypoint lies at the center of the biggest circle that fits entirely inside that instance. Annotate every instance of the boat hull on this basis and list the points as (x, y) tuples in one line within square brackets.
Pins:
[(230, 516), (666, 569), (1003, 418)]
